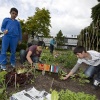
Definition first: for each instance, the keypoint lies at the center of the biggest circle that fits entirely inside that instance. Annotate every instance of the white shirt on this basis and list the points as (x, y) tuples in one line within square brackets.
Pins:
[(94, 61)]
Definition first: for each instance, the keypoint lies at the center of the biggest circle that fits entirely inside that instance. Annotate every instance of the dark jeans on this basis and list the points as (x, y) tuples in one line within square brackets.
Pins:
[(23, 54), (92, 70), (51, 48)]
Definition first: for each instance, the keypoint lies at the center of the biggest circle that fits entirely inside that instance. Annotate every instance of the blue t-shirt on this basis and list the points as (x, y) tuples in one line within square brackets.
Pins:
[(52, 42)]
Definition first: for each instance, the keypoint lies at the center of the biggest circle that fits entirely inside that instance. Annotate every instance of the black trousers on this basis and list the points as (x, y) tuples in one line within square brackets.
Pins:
[(51, 48)]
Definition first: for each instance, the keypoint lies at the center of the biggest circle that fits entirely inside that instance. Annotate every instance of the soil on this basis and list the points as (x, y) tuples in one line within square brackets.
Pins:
[(52, 81)]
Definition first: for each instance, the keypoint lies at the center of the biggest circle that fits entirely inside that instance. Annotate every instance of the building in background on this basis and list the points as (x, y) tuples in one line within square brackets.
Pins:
[(69, 42)]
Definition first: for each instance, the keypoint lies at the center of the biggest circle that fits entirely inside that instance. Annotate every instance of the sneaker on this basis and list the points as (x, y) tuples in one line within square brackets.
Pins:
[(3, 67), (13, 65)]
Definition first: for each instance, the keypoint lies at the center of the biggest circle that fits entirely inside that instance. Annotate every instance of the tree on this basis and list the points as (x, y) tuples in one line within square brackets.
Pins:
[(60, 38), (95, 13), (23, 26), (40, 22), (90, 36)]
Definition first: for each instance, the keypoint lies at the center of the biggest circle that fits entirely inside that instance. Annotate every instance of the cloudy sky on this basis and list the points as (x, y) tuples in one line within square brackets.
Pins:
[(70, 16)]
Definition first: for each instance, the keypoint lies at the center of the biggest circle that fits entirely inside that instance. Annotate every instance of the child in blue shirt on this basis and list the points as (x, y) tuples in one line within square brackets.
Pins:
[(12, 35), (52, 43)]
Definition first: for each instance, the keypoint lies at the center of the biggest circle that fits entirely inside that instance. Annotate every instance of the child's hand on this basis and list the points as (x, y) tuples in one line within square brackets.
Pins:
[(19, 42), (5, 31), (65, 78), (33, 65)]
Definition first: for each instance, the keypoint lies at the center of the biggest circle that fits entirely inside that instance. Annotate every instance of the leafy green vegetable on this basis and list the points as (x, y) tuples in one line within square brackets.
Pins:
[(54, 95)]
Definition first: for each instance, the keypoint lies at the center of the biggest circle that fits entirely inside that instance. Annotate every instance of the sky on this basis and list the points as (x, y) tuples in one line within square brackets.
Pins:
[(69, 16)]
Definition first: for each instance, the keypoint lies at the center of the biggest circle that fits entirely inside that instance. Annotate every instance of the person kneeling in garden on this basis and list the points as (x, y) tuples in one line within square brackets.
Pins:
[(91, 58), (32, 54)]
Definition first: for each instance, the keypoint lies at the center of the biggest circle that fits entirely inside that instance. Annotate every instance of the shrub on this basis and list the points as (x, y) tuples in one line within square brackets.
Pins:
[(21, 46)]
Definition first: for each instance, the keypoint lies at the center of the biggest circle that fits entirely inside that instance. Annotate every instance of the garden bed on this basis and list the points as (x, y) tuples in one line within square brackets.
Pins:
[(52, 81)]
